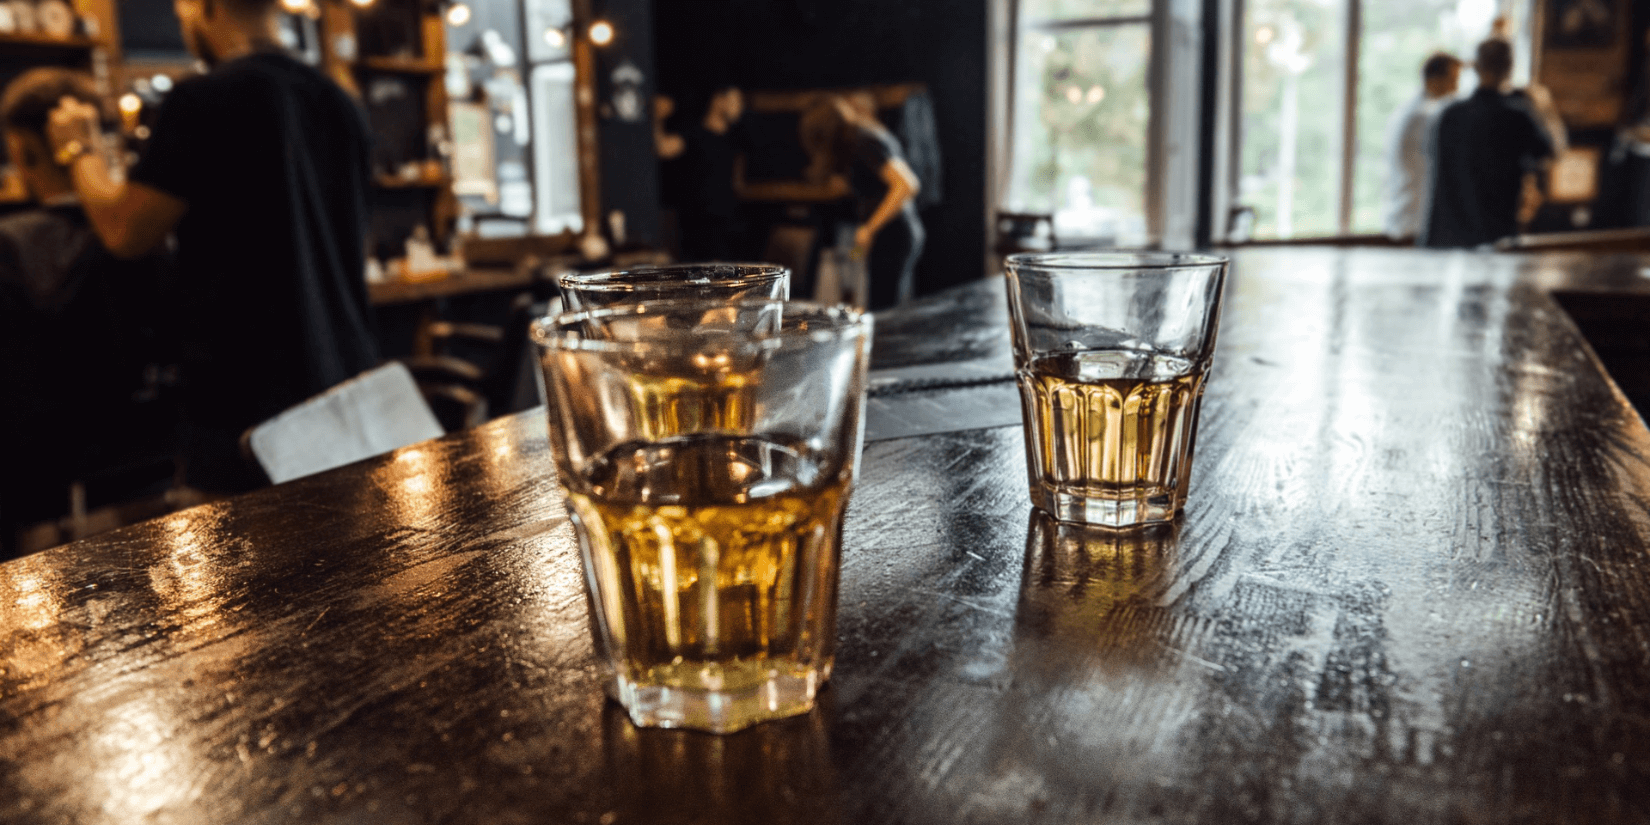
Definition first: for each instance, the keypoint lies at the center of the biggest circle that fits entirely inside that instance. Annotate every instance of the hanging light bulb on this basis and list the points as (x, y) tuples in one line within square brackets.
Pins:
[(295, 6), (555, 37), (601, 32), (130, 104), (362, 3), (458, 14)]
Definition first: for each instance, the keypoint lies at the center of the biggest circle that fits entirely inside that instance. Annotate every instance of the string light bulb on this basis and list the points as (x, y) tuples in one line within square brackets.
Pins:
[(295, 6), (555, 37), (458, 14), (362, 3), (601, 32), (130, 104)]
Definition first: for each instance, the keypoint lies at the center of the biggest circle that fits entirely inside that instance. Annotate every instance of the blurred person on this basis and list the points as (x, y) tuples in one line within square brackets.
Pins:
[(666, 144), (1478, 156), (78, 327), (865, 161), (1406, 182), (261, 167), (707, 208)]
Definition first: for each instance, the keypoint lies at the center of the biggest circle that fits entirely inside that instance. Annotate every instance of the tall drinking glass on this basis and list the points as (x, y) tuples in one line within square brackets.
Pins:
[(705, 282), (1111, 350), (707, 450)]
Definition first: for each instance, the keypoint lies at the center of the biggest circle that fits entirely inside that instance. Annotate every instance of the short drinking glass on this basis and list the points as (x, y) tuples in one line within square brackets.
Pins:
[(1111, 350), (707, 450), (705, 282)]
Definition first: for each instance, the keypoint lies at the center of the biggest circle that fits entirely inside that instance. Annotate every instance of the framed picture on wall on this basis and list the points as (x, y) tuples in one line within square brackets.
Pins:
[(1574, 176), (1583, 24), (473, 172)]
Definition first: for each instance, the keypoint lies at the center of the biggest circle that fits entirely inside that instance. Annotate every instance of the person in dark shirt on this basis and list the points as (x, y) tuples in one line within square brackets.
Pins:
[(261, 166), (1479, 153), (708, 203), (77, 325), (855, 146)]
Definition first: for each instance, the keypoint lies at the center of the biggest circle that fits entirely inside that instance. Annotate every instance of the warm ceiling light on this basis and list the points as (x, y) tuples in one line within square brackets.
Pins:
[(458, 14), (601, 32), (295, 6), (555, 37), (362, 3), (131, 104)]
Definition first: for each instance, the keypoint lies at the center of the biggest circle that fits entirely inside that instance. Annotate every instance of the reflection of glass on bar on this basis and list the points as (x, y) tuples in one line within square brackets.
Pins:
[(703, 282), (1078, 577), (1112, 350), (758, 776), (707, 450)]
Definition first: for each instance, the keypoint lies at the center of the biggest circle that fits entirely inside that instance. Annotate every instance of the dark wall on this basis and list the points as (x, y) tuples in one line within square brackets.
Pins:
[(806, 44), (630, 176), (149, 29)]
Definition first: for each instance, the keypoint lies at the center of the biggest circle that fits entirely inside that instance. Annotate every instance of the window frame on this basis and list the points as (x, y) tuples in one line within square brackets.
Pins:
[(1173, 196), (1225, 197)]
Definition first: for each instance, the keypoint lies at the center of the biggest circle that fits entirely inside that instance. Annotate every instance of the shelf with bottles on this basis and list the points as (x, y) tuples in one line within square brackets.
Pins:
[(35, 40), (51, 24), (399, 65)]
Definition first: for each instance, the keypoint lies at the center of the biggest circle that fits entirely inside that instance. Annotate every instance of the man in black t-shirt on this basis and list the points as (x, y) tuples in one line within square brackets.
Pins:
[(1479, 152), (261, 167)]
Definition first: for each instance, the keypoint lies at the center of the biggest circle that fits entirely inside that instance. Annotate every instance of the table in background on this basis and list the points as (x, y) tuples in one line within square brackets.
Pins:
[(468, 282), (1411, 587)]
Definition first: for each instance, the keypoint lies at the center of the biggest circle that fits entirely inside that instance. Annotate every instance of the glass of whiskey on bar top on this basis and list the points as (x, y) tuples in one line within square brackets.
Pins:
[(707, 450), (1111, 351)]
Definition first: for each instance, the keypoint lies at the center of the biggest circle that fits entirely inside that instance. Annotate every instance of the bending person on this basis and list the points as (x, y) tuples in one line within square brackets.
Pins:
[(849, 143)]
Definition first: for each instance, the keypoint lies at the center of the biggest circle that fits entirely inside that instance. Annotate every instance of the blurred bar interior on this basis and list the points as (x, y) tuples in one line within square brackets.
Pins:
[(518, 139)]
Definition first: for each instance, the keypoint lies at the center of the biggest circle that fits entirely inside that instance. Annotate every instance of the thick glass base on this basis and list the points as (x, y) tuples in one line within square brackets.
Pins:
[(1108, 512), (718, 710)]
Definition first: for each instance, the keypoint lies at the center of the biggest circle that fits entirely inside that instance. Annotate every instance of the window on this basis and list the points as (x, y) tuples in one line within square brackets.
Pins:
[(552, 92), (1320, 80), (1081, 117)]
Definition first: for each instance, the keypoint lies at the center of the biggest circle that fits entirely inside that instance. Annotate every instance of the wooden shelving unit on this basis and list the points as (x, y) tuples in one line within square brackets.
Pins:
[(418, 64)]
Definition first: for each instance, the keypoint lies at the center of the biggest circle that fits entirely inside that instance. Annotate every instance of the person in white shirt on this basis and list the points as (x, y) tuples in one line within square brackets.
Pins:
[(1406, 184)]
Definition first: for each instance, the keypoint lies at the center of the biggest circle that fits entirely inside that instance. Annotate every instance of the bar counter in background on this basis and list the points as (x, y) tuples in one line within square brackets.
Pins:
[(1411, 587)]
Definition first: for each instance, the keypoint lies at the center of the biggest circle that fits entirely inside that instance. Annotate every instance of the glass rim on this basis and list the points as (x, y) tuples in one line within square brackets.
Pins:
[(628, 280), (1115, 259), (839, 322)]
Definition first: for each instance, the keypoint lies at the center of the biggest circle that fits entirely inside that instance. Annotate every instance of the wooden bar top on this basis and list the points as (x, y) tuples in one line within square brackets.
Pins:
[(1411, 586)]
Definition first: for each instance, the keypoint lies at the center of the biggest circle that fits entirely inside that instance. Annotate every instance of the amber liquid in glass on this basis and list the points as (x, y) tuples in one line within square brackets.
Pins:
[(692, 401), (715, 562), (1110, 434)]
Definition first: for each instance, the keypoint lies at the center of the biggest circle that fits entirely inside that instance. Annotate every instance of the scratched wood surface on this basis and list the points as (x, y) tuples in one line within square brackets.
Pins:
[(1411, 587)]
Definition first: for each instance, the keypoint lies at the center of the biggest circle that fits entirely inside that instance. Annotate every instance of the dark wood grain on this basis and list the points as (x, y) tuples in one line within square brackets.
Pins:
[(1411, 587)]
